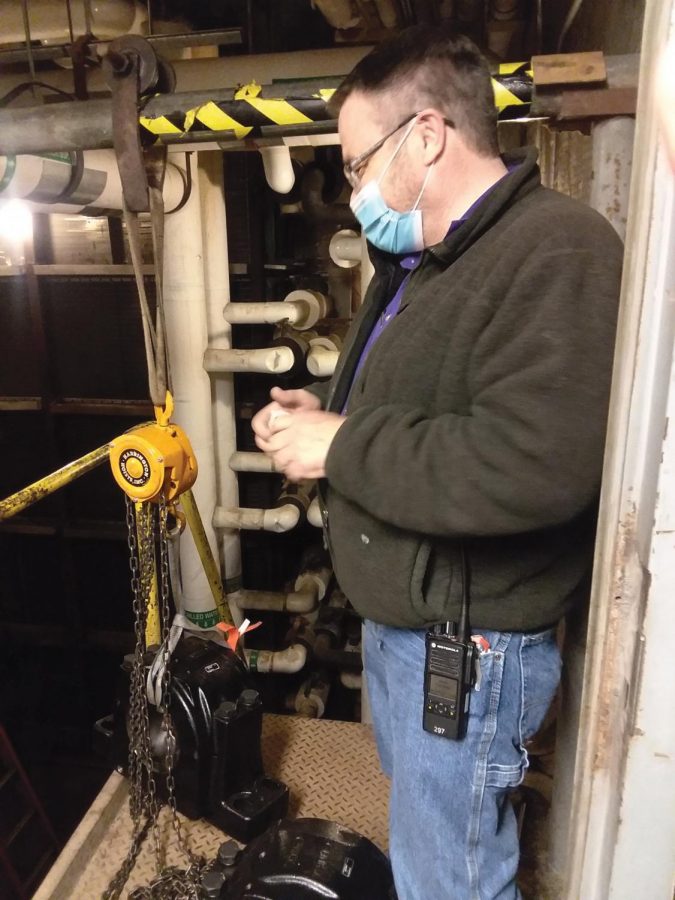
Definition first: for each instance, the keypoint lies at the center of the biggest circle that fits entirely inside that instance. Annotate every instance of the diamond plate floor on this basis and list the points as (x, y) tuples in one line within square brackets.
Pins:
[(331, 769)]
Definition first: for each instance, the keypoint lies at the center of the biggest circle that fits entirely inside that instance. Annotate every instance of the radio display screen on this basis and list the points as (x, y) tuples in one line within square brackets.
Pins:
[(443, 687)]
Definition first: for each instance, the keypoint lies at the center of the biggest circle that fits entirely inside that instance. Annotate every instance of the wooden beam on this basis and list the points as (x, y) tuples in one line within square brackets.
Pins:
[(592, 104), (569, 68)]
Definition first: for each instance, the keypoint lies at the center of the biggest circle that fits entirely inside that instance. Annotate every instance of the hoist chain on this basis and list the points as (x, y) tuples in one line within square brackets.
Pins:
[(147, 522)]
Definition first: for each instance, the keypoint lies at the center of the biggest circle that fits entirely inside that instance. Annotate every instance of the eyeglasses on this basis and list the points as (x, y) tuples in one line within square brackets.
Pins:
[(354, 170)]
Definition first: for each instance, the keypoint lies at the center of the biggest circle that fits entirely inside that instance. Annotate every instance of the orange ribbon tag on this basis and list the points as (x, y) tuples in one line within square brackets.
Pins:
[(233, 633)]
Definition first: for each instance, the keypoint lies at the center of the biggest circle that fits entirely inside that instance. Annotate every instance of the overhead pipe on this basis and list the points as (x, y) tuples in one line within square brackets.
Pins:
[(219, 334), (301, 308), (49, 21), (282, 662), (79, 182), (199, 75), (78, 125)]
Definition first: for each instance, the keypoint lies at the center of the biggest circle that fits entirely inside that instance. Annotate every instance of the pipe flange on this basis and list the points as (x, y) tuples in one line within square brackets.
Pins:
[(316, 305)]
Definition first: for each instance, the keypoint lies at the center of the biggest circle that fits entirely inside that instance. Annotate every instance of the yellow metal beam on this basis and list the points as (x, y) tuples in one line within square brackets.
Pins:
[(52, 482)]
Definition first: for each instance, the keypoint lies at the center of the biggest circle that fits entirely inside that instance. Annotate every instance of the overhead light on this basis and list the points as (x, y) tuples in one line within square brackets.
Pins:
[(16, 221)]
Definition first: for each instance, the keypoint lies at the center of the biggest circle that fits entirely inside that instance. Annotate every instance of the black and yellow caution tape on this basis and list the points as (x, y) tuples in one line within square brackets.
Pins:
[(512, 85), (248, 111)]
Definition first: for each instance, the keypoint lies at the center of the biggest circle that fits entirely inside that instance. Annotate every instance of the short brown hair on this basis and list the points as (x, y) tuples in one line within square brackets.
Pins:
[(430, 66)]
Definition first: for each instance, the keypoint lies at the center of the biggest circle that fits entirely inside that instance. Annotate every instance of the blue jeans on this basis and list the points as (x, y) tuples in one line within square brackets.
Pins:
[(452, 831)]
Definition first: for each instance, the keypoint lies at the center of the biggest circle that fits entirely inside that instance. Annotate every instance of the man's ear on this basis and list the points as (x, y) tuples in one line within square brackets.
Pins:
[(432, 134)]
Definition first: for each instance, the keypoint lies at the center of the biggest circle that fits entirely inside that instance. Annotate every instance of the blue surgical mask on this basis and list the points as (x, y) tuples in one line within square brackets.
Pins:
[(386, 228)]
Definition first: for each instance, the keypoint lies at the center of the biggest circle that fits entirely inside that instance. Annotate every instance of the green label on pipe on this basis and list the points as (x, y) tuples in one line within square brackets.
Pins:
[(64, 156), (10, 168), (205, 619)]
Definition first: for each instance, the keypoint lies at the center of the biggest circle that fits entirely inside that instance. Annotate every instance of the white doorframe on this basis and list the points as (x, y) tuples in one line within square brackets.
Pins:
[(622, 827)]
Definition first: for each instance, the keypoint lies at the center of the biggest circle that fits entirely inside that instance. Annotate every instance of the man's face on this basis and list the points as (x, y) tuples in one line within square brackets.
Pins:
[(361, 126)]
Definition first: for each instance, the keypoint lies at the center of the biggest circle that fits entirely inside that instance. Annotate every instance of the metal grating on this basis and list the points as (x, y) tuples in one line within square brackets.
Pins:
[(332, 771)]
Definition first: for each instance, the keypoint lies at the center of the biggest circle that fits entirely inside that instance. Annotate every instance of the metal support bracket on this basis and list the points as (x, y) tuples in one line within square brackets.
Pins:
[(132, 70)]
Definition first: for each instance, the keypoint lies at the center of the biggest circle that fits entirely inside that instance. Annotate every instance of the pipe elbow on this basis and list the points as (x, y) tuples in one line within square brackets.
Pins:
[(281, 518), (286, 662)]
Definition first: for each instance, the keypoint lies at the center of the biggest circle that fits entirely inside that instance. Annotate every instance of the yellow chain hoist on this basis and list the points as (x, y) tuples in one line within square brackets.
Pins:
[(154, 459)]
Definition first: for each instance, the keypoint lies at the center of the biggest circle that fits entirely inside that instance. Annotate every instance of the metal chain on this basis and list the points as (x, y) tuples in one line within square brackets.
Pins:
[(167, 722), (171, 882)]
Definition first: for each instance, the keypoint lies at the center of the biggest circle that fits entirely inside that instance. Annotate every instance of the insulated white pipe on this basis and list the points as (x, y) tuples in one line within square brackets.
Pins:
[(310, 589), (321, 361), (286, 662), (41, 180), (345, 248), (217, 290), (295, 602), (300, 308), (367, 268), (278, 168), (268, 360), (278, 519), (242, 461), (314, 513), (187, 335), (311, 698), (49, 20), (263, 313), (387, 12), (612, 164)]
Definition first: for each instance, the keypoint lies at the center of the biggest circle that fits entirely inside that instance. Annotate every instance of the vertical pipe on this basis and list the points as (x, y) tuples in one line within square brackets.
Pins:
[(187, 336), (612, 158), (198, 533), (217, 288), (610, 186), (87, 17), (29, 48)]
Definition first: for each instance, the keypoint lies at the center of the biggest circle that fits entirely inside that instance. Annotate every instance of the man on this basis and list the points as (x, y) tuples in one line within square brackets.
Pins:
[(466, 416)]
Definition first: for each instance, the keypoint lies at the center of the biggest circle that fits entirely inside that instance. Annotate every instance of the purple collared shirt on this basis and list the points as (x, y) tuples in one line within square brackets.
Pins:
[(409, 262)]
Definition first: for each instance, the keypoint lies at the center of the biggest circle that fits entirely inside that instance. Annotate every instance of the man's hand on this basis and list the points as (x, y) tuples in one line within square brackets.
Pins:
[(298, 441), (286, 401)]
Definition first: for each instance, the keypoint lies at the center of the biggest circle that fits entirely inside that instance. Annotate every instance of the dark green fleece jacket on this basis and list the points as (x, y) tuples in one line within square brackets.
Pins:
[(479, 415)]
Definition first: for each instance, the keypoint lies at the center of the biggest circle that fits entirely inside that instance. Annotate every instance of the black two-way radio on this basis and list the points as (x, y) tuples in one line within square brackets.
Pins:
[(449, 671)]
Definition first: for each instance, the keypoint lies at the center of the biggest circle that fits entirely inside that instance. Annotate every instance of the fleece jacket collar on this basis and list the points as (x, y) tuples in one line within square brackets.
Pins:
[(517, 184)]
